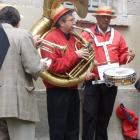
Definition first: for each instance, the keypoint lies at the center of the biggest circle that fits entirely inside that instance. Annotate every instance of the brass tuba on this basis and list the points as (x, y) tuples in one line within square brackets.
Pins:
[(44, 23), (78, 74)]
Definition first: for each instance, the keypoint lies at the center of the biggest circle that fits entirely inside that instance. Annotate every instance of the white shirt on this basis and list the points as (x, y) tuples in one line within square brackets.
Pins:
[(100, 30)]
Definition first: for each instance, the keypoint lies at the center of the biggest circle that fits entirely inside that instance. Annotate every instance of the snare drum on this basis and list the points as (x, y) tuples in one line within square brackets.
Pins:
[(119, 76)]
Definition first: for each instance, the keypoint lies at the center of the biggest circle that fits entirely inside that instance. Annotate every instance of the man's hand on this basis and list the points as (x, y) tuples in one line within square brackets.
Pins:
[(83, 53), (89, 76), (95, 62), (131, 55), (37, 40), (45, 63)]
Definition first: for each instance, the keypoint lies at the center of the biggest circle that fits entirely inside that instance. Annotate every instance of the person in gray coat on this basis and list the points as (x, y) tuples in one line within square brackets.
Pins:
[(19, 65)]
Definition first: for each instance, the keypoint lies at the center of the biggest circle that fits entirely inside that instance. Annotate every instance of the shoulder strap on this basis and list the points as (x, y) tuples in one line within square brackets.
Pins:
[(4, 45)]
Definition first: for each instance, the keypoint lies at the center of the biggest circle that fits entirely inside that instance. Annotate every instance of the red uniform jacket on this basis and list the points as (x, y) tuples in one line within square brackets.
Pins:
[(62, 61), (118, 50)]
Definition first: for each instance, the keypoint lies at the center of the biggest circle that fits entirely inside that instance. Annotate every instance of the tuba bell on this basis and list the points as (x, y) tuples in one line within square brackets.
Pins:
[(44, 24), (77, 74)]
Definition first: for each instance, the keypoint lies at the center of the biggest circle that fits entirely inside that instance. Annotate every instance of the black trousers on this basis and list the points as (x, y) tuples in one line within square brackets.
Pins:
[(63, 113), (4, 134), (97, 110)]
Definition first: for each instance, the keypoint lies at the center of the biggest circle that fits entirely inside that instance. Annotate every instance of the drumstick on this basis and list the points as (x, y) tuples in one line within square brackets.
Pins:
[(128, 59), (129, 56)]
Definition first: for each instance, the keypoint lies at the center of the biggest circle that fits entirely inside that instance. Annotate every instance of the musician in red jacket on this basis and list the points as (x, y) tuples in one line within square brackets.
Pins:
[(110, 50), (63, 102)]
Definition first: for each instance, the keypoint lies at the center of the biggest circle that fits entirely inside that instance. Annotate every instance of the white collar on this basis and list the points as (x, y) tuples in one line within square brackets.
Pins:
[(101, 31), (106, 42)]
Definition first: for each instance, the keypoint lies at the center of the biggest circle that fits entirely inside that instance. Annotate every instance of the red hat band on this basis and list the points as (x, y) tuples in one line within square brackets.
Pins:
[(104, 12), (56, 17)]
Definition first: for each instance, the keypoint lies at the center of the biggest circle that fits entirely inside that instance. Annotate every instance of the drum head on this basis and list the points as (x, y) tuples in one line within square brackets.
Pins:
[(119, 76), (119, 72)]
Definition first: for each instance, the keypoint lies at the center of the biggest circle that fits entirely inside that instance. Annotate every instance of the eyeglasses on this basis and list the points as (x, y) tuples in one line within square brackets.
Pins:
[(72, 20)]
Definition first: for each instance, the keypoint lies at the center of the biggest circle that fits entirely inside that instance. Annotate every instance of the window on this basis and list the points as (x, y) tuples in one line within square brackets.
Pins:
[(119, 6)]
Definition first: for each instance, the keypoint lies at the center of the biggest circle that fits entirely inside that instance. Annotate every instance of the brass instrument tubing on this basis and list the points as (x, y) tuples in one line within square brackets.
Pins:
[(83, 67), (75, 74), (53, 45), (45, 49), (76, 27), (84, 29), (77, 69)]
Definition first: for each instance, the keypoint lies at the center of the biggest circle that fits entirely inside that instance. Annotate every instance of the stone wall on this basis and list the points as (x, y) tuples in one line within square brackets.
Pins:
[(128, 96), (133, 7), (36, 3)]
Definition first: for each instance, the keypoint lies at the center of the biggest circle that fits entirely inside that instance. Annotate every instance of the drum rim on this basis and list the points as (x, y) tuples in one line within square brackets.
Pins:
[(134, 73), (120, 77)]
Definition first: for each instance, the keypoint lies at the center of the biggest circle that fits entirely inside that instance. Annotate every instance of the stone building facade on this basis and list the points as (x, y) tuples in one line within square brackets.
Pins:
[(128, 23)]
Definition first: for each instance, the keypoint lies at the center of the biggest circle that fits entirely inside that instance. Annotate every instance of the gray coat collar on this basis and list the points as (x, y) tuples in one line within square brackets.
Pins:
[(7, 25)]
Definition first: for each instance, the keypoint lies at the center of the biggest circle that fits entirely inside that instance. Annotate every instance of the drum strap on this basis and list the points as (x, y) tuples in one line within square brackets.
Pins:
[(98, 82), (103, 44)]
